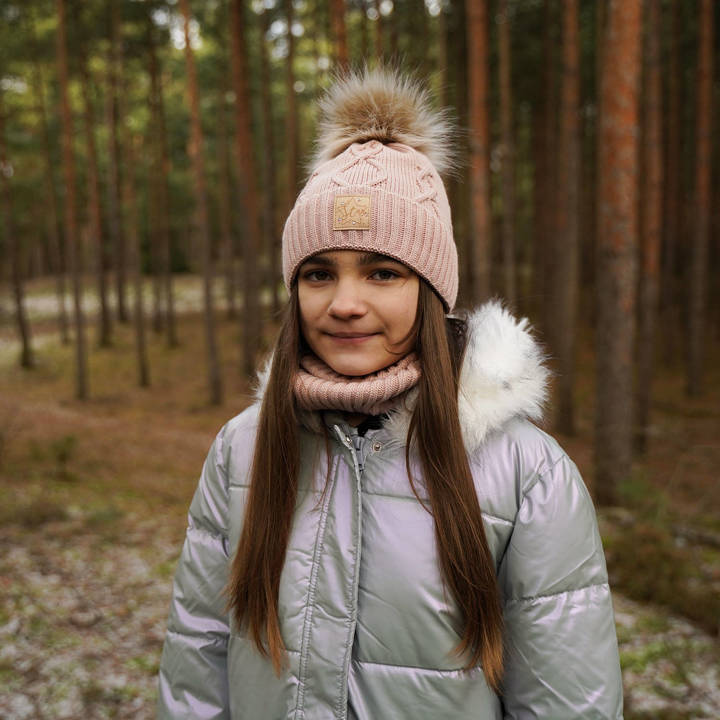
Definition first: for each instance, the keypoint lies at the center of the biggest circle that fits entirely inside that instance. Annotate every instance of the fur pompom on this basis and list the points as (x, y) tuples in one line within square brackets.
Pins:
[(384, 105)]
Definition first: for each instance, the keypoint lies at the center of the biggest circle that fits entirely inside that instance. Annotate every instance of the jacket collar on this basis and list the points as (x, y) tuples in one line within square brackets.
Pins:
[(503, 377)]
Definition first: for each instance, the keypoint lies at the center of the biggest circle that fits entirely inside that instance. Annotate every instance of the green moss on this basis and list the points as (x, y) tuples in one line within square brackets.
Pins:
[(149, 664), (638, 659)]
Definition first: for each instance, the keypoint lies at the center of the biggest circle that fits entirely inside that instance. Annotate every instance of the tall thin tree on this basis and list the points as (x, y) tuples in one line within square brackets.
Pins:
[(480, 244), (617, 247), (113, 113), (135, 257), (93, 180), (12, 240), (53, 223), (270, 234), (203, 220), (669, 296), (565, 290), (161, 175), (245, 162), (651, 222), (507, 136), (339, 31), (697, 271), (71, 230)]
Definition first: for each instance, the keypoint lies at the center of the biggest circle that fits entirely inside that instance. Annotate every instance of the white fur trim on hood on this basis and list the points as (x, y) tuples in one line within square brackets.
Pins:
[(503, 377)]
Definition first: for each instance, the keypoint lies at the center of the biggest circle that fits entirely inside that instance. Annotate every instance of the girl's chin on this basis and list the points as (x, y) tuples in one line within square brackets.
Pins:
[(354, 368)]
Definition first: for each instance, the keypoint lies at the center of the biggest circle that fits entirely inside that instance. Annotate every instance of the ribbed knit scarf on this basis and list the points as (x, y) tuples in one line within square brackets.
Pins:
[(319, 387)]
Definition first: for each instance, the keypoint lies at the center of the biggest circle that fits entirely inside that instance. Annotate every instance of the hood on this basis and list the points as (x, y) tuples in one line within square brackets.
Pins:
[(503, 377)]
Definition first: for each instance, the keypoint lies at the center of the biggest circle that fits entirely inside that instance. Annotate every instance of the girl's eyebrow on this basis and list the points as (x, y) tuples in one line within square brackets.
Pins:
[(367, 258)]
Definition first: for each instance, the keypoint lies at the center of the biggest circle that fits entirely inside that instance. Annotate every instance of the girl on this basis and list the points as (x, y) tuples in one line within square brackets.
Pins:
[(384, 533)]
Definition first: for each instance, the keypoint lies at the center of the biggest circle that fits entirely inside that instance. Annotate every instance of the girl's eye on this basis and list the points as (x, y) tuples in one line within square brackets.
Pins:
[(385, 274), (316, 275)]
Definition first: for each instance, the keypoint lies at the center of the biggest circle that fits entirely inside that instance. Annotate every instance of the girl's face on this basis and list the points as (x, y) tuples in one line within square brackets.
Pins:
[(354, 307)]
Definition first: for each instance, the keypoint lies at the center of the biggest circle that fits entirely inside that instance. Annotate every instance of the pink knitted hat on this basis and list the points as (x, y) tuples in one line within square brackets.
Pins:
[(375, 183)]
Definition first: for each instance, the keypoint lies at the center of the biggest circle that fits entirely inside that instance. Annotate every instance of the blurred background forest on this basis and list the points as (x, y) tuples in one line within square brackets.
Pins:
[(150, 151)]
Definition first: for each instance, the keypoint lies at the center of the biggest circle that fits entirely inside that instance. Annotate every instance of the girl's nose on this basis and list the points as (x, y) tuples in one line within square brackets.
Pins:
[(347, 301)]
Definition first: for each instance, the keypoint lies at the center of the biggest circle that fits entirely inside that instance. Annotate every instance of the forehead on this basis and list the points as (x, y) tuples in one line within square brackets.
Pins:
[(335, 258)]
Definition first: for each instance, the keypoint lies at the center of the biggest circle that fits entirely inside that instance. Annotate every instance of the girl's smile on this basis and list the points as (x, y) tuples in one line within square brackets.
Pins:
[(357, 309)]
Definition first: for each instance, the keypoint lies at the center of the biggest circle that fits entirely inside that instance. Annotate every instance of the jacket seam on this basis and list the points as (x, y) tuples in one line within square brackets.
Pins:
[(412, 497), (530, 598), (310, 599), (417, 667), (539, 475)]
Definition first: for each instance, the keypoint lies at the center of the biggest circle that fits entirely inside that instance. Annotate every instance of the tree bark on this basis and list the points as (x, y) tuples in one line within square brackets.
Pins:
[(507, 152), (269, 177), (105, 329), (162, 173), (379, 50), (651, 225), (227, 240), (480, 235), (198, 162), (114, 177), (245, 163), (291, 116), (53, 219), (617, 247), (133, 238), (669, 298), (13, 242), (697, 275), (564, 292), (71, 230), (337, 15)]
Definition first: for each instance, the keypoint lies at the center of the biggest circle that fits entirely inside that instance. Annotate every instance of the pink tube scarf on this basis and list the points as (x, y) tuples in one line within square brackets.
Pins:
[(319, 387)]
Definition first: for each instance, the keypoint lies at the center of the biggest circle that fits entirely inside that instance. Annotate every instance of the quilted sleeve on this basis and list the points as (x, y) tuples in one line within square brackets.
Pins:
[(562, 656), (193, 669)]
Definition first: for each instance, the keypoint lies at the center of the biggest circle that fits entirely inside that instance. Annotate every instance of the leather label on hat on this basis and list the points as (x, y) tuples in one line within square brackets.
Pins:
[(351, 212)]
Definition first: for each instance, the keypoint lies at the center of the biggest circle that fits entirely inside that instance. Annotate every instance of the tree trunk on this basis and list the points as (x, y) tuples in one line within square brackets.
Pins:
[(133, 238), (112, 108), (549, 241), (269, 177), (53, 218), (442, 56), (544, 195), (198, 162), (337, 16), (13, 243), (564, 292), (105, 329), (651, 225), (669, 299), (227, 243), (71, 230), (617, 246), (697, 275), (245, 163), (291, 116), (507, 152), (480, 234), (379, 50)]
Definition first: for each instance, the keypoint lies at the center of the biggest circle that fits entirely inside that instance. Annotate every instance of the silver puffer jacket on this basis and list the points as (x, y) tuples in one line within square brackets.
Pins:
[(368, 627)]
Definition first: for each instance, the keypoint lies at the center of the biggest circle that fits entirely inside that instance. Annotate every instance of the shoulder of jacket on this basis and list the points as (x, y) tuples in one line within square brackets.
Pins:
[(519, 455)]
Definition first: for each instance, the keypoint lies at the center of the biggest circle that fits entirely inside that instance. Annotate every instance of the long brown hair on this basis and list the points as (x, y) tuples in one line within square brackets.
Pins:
[(465, 559)]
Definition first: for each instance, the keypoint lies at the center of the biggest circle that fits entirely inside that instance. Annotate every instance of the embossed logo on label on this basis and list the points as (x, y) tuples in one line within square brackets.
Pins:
[(351, 212)]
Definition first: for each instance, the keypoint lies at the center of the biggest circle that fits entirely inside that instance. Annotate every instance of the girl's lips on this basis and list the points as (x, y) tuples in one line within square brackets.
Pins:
[(350, 340)]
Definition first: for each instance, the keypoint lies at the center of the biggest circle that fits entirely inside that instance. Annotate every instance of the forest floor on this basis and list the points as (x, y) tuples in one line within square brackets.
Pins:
[(93, 498)]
